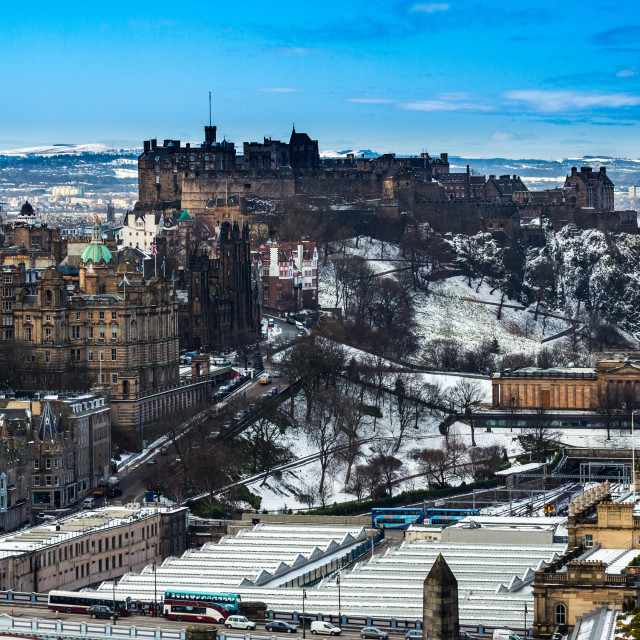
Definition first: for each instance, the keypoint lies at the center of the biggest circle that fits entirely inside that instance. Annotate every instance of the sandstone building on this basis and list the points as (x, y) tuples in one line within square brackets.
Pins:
[(112, 325), (81, 550), (53, 451), (588, 575), (614, 380)]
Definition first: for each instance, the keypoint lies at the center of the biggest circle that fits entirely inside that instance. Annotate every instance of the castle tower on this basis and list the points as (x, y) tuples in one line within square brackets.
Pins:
[(440, 619)]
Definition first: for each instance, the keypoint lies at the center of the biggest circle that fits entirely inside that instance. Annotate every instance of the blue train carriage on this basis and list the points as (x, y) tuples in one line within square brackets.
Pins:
[(391, 518)]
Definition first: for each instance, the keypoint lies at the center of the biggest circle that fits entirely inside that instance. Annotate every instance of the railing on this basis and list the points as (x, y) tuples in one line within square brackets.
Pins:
[(56, 628), (68, 629), (388, 624)]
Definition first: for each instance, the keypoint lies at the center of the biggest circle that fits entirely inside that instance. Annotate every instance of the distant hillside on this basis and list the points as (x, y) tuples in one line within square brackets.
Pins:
[(68, 149)]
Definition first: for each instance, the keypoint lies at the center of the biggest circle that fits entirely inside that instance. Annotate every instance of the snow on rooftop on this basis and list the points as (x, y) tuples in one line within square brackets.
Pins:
[(392, 581), (54, 531), (523, 468)]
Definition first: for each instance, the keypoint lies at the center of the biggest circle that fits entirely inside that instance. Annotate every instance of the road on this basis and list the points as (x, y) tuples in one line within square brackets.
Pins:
[(24, 611)]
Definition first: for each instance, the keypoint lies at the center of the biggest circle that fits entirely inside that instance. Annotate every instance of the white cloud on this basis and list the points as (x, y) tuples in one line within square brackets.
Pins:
[(279, 90), (506, 136), (445, 102), (369, 100), (502, 135), (553, 101), (429, 7), (625, 73)]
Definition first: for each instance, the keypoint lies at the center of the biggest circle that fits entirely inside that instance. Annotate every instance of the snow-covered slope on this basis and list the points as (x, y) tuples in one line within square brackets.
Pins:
[(65, 149)]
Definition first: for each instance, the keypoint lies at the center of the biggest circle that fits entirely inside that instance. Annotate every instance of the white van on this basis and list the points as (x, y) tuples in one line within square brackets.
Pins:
[(505, 634), (239, 622), (265, 378), (299, 325), (320, 626), (88, 503)]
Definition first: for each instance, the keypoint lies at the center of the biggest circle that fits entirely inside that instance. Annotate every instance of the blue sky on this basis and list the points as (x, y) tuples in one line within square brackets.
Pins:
[(515, 79)]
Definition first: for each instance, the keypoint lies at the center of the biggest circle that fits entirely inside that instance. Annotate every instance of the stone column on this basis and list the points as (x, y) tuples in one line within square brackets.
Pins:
[(440, 619)]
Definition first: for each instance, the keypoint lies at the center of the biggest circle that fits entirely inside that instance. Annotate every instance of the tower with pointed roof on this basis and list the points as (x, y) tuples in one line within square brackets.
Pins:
[(440, 618)]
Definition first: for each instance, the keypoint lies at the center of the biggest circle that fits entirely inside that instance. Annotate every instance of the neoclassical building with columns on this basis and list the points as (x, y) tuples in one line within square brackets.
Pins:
[(613, 381)]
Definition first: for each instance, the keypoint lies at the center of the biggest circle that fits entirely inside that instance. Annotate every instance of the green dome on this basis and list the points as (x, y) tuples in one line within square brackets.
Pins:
[(96, 250), (184, 217)]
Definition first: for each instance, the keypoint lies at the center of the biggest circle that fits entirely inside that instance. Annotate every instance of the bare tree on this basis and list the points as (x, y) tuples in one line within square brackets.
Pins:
[(407, 410), (611, 405), (467, 395), (388, 468), (358, 483), (349, 421), (322, 433), (539, 438), (440, 466), (485, 461)]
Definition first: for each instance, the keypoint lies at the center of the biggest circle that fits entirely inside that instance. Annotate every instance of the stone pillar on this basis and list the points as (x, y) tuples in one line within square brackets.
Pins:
[(440, 619)]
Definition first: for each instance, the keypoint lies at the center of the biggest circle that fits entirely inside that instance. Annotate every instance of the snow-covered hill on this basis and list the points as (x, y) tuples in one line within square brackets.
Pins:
[(67, 149)]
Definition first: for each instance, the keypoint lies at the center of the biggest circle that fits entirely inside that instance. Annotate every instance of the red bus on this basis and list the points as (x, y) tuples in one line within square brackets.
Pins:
[(195, 611), (80, 601)]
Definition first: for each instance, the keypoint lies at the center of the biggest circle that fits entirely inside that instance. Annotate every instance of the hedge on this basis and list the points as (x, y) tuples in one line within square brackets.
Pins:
[(406, 497)]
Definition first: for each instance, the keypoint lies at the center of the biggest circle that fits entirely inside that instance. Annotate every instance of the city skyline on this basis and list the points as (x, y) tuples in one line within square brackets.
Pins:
[(459, 76)]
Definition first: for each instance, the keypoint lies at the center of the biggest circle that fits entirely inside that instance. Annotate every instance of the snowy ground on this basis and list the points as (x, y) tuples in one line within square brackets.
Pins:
[(281, 493), (444, 312)]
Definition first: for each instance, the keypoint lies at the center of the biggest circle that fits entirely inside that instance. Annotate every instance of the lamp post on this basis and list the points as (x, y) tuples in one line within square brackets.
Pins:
[(525, 619), (304, 597), (155, 589), (633, 457), (339, 602), (114, 601)]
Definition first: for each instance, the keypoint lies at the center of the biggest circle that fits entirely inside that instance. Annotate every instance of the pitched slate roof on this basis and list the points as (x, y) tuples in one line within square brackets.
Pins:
[(49, 426)]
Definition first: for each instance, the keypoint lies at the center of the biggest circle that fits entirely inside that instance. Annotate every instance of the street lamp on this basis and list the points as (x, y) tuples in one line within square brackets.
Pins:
[(633, 457), (525, 619), (155, 589), (304, 597), (339, 603), (114, 600)]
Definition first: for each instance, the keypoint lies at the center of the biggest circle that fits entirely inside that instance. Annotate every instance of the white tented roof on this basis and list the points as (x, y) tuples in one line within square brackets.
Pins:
[(388, 586)]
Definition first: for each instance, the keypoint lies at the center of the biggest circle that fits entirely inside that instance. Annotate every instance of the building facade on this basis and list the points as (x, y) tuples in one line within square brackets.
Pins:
[(580, 581), (54, 451), (591, 189), (86, 549), (614, 380), (289, 276)]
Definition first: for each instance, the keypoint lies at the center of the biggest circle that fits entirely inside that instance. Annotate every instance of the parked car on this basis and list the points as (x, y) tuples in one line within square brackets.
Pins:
[(101, 611), (98, 492), (89, 503), (152, 461), (277, 374), (301, 334), (280, 625), (463, 635), (271, 323), (374, 632), (239, 622), (505, 634), (328, 629), (413, 634)]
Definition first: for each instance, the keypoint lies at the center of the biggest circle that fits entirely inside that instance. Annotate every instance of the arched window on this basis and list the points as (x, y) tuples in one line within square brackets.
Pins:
[(48, 296), (561, 614)]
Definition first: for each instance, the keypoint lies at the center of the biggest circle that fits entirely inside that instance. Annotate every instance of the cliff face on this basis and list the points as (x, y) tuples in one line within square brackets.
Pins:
[(578, 274)]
